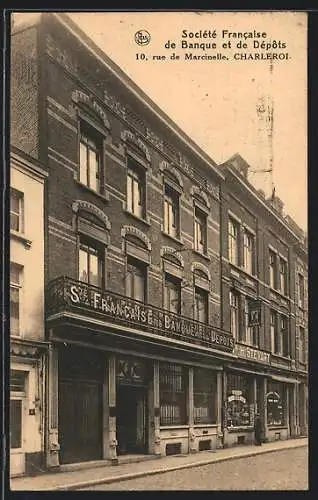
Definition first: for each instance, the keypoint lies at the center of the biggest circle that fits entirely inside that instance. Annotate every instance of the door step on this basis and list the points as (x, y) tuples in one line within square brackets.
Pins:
[(133, 458), (92, 464)]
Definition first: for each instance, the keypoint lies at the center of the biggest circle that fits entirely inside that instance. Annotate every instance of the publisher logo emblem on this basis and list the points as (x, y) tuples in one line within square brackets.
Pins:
[(142, 37)]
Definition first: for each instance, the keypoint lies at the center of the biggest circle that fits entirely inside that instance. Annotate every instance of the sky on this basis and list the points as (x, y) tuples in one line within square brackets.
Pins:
[(215, 101)]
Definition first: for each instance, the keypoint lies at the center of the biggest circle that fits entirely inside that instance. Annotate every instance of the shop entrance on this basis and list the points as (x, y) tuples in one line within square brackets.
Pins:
[(131, 406)]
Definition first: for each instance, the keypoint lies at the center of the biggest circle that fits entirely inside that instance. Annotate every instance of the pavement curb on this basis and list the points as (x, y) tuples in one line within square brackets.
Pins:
[(133, 475)]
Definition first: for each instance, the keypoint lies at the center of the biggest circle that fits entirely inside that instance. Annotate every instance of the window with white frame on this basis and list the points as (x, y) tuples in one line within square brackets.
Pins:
[(201, 305), (90, 155), (272, 269), (16, 210), (136, 279), (283, 276), (171, 211), (91, 262), (15, 298), (172, 294), (248, 251), (301, 291), (233, 241), (135, 189), (200, 231), (234, 314)]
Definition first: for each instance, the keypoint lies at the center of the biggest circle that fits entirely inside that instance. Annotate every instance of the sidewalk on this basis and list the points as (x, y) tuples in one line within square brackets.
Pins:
[(109, 474)]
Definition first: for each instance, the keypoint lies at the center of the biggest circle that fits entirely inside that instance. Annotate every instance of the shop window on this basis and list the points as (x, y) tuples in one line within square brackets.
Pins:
[(171, 211), (173, 394), (16, 210), (272, 269), (283, 276), (248, 251), (90, 156), (234, 313), (233, 241), (15, 298), (205, 396), (136, 279), (276, 404), (200, 231), (172, 294), (136, 186), (91, 262), (201, 301), (239, 403)]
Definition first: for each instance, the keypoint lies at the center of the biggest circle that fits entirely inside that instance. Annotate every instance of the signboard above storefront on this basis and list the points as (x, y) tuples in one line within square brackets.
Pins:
[(246, 352)]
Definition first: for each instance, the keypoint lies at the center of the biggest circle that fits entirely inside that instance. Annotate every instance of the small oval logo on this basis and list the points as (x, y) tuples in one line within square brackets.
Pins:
[(142, 37)]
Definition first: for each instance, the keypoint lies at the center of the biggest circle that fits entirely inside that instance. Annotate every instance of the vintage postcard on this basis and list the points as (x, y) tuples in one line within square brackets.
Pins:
[(158, 251)]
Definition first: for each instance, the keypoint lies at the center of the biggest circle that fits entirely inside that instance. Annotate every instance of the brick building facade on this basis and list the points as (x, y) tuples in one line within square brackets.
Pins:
[(135, 308)]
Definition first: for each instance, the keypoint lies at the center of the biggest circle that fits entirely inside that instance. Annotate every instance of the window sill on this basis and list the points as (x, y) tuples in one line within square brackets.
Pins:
[(21, 237), (141, 219), (277, 427), (174, 238), (104, 197), (279, 293), (204, 255), (213, 426), (281, 356), (242, 270), (173, 426)]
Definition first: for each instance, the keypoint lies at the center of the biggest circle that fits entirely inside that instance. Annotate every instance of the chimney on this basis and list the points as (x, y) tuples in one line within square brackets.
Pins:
[(239, 164)]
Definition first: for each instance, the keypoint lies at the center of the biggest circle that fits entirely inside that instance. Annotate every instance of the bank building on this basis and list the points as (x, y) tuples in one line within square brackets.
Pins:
[(175, 292)]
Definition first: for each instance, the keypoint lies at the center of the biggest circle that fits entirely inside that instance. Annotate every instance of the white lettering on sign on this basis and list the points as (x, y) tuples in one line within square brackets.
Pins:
[(244, 351)]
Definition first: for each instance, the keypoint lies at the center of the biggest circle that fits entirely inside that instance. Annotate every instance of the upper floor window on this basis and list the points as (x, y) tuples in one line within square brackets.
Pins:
[(16, 210), (200, 231), (233, 235), (284, 336), (135, 189), (201, 305), (283, 276), (301, 291), (91, 262), (248, 251), (272, 269), (171, 211), (273, 332), (90, 157), (172, 294), (301, 345), (234, 313), (15, 298), (251, 332), (136, 280)]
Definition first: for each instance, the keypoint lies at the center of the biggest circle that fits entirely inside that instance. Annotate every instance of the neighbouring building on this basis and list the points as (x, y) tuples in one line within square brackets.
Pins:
[(264, 305), (141, 354), (27, 340)]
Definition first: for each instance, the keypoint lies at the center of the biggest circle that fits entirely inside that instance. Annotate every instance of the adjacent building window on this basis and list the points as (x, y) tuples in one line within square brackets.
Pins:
[(16, 210), (200, 231), (273, 332), (301, 291), (301, 345), (15, 298), (234, 313), (272, 269), (201, 305), (276, 403), (248, 251), (173, 394), (239, 401), (91, 262), (205, 396), (135, 189), (171, 211), (251, 332), (136, 280), (283, 276), (172, 294), (233, 237), (90, 157)]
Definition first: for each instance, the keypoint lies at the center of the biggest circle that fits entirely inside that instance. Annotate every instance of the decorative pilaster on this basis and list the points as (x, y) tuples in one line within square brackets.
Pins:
[(106, 443), (112, 409), (219, 443), (192, 437), (156, 400), (265, 426), (53, 446), (224, 415)]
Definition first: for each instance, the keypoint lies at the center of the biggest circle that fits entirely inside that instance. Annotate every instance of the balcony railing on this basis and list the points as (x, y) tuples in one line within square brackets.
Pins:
[(68, 295)]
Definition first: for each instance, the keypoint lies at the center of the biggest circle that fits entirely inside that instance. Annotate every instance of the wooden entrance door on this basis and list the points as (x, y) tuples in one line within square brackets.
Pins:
[(80, 420), (131, 419)]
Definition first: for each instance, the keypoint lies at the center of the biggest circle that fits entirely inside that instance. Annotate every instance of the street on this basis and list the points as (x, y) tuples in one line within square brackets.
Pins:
[(281, 470)]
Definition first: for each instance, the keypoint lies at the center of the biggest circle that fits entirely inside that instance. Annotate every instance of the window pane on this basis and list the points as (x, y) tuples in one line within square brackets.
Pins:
[(83, 265), (93, 170), (14, 273), (172, 389), (17, 380), (83, 163), (15, 423), (137, 205), (94, 277), (129, 193), (14, 222), (166, 216), (139, 286), (14, 311)]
